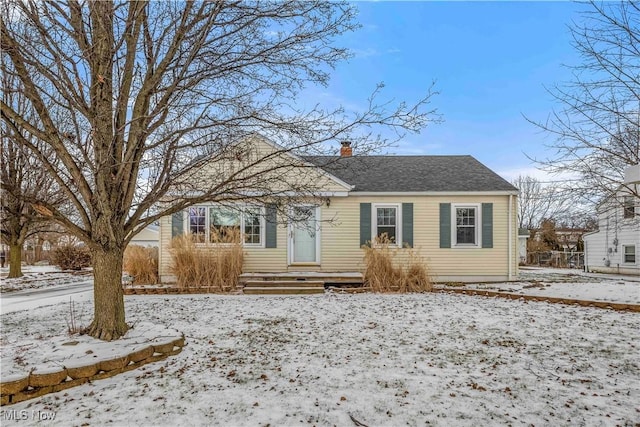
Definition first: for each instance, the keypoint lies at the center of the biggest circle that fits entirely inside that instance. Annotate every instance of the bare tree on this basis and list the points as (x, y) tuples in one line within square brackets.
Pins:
[(23, 182), (597, 124), (537, 201), (138, 96)]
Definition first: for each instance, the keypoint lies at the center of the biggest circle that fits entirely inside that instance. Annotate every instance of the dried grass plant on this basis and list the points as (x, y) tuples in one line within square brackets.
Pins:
[(214, 267), (383, 275), (142, 264)]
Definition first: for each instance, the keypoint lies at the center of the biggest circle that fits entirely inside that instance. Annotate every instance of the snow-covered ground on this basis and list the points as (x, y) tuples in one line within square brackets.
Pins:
[(39, 277), (565, 283), (416, 359), (551, 282)]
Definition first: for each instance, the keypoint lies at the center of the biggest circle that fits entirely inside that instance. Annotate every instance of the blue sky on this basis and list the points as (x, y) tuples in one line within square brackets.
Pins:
[(491, 62)]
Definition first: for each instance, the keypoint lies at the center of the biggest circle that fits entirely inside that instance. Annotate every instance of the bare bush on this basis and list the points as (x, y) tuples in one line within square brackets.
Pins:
[(72, 257), (74, 321)]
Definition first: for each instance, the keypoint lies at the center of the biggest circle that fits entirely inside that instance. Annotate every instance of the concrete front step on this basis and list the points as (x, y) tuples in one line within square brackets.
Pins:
[(284, 284), (342, 278), (286, 290)]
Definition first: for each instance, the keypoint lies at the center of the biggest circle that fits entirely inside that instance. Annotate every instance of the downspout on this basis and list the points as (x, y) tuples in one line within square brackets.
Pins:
[(510, 245), (585, 255)]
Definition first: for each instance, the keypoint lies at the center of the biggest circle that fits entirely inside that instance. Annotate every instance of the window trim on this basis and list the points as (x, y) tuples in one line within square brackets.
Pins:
[(374, 222), (242, 208), (262, 217), (187, 223), (624, 254), (478, 225)]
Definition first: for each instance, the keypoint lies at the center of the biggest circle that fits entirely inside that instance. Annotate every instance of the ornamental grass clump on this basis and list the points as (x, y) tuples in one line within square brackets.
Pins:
[(416, 276), (142, 264), (215, 267), (384, 274)]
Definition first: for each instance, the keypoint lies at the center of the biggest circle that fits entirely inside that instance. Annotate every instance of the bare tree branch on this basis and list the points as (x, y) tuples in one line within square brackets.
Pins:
[(597, 124)]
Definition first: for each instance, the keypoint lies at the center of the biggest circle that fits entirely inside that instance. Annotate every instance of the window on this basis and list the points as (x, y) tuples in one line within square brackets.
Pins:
[(224, 225), (629, 254), (221, 224), (465, 228), (252, 226), (628, 208), (197, 224), (386, 223)]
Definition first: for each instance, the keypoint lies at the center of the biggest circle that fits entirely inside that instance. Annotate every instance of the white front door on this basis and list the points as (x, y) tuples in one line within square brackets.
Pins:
[(303, 235)]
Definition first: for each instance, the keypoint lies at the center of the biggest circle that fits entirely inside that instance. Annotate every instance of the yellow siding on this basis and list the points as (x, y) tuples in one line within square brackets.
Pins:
[(340, 240), (268, 259)]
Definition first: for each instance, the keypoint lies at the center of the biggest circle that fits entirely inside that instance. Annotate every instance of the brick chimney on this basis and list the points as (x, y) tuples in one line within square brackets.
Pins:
[(346, 150)]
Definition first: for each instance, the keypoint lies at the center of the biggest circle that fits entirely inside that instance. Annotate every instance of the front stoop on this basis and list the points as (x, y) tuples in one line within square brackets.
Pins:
[(296, 282), (283, 287)]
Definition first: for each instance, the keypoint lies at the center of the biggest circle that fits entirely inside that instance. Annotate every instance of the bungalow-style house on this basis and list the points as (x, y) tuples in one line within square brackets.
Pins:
[(615, 246), (457, 213)]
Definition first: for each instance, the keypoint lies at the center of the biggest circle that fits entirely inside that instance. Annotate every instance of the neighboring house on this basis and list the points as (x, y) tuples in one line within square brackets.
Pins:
[(459, 214), (615, 247), (149, 236), (568, 239), (523, 236)]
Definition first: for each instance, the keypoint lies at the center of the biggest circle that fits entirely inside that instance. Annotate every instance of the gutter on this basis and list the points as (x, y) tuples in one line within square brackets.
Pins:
[(590, 233), (433, 193)]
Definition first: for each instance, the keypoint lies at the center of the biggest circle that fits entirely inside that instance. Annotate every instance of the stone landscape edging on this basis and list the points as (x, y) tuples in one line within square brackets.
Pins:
[(170, 290), (554, 300), (38, 384)]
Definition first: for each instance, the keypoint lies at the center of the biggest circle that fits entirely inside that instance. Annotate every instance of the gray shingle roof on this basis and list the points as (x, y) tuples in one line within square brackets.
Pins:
[(412, 173)]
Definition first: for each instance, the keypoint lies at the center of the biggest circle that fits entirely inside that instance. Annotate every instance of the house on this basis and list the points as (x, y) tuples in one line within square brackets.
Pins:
[(615, 246), (459, 214), (566, 239), (148, 236)]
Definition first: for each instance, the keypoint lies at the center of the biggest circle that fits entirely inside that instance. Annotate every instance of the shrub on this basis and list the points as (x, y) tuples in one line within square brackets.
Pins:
[(71, 257), (142, 264), (381, 275), (214, 267)]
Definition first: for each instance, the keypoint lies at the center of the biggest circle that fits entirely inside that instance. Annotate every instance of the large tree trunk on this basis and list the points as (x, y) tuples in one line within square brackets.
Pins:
[(109, 320), (15, 261)]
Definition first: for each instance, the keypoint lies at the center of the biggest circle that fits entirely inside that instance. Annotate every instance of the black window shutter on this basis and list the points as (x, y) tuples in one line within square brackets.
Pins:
[(271, 226), (365, 224), (407, 225), (445, 225), (177, 224), (487, 225)]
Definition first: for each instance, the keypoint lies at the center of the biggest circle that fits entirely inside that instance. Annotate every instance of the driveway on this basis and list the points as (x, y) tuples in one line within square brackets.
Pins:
[(31, 298)]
